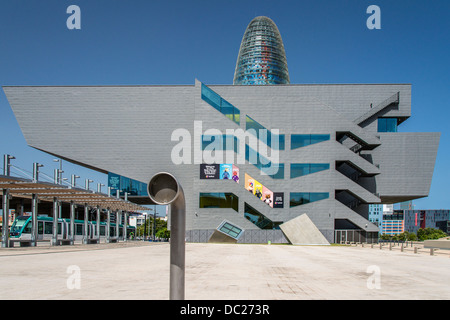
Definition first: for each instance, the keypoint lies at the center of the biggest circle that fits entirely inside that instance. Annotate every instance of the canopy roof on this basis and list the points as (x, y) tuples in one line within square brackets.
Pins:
[(25, 188)]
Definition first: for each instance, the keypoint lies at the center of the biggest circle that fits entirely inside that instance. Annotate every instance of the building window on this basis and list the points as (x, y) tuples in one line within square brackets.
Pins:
[(273, 170), (124, 184), (220, 104), (229, 229), (302, 169), (387, 124), (258, 219), (219, 200), (227, 142), (303, 140), (299, 198), (252, 124)]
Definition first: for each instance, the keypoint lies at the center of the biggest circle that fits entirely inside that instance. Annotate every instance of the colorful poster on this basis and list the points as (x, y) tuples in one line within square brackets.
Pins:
[(219, 171), (235, 175), (278, 199), (209, 171), (249, 183), (273, 199), (226, 171), (267, 196), (257, 190)]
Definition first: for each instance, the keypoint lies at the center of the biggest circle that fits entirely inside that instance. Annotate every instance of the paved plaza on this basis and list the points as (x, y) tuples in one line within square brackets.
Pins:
[(138, 270)]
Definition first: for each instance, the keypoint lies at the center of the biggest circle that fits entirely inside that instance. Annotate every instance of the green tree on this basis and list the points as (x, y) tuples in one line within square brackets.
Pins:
[(160, 225), (385, 237), (412, 236), (163, 233), (430, 234)]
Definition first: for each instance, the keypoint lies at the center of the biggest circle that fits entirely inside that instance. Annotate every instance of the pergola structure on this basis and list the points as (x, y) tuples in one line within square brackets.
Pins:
[(14, 187)]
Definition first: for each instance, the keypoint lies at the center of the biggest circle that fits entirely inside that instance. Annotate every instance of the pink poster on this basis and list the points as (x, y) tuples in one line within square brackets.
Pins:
[(267, 196), (235, 173)]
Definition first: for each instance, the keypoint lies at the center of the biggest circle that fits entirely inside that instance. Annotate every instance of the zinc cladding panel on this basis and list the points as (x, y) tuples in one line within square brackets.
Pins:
[(406, 162), (349, 100), (120, 129)]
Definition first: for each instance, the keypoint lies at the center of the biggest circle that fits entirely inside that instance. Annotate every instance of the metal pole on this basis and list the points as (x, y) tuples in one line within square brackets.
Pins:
[(55, 222), (6, 164), (73, 180), (154, 222), (34, 213), (86, 184), (55, 176), (86, 217), (108, 225), (125, 226), (164, 189), (60, 172), (98, 223), (72, 222), (5, 221), (117, 225), (36, 167), (145, 225)]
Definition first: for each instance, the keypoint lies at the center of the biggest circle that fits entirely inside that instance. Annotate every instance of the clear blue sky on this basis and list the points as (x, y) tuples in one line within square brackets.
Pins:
[(173, 42)]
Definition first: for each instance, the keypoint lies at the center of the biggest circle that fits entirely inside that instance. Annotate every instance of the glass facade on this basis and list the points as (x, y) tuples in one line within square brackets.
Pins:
[(302, 169), (220, 104), (258, 219), (273, 170), (387, 124), (252, 124), (124, 184), (303, 140), (262, 58), (227, 142), (219, 200), (299, 198)]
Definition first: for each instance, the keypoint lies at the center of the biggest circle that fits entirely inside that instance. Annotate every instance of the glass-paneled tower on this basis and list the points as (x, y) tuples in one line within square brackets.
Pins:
[(261, 59)]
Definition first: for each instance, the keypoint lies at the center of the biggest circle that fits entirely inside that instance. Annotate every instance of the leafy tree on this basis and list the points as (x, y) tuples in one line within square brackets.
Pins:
[(385, 237), (422, 234), (160, 225), (411, 236), (163, 233), (430, 234)]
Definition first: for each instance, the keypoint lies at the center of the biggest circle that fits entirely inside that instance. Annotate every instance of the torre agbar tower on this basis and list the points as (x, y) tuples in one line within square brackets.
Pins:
[(261, 59), (338, 146)]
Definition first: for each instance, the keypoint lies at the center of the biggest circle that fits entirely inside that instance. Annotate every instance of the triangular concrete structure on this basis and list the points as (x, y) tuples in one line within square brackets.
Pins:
[(302, 231)]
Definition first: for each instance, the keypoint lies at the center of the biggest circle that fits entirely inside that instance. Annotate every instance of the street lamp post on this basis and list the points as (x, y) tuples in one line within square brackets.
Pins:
[(88, 181), (60, 171), (7, 164), (73, 181)]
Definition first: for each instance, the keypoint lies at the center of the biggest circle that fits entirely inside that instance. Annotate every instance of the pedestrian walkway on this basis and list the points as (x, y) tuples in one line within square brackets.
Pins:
[(140, 270)]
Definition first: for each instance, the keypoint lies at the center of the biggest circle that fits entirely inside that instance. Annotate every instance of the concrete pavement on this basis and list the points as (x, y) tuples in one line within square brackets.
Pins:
[(137, 270)]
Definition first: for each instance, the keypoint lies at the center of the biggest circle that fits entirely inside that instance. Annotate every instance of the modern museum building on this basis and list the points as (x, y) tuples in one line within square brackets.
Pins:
[(259, 160)]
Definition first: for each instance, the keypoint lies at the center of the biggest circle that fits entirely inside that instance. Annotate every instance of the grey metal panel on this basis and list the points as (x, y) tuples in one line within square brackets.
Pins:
[(407, 163)]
